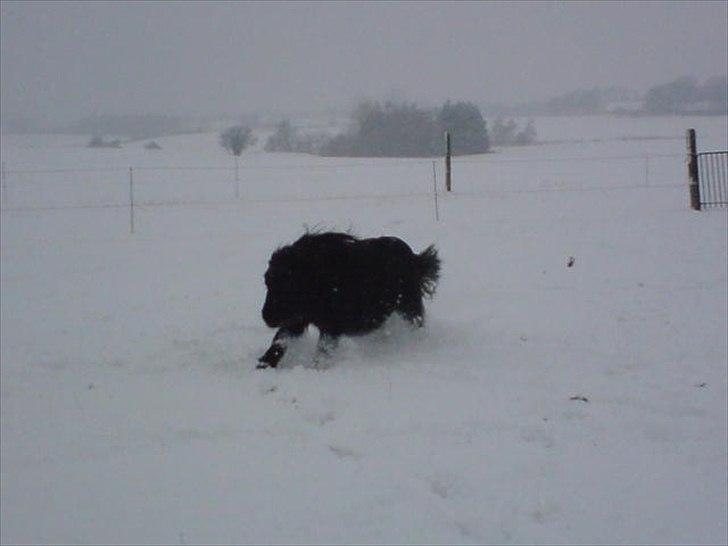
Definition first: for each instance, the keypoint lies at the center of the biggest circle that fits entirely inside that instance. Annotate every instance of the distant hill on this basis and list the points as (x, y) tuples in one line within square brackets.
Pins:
[(687, 96), (683, 96)]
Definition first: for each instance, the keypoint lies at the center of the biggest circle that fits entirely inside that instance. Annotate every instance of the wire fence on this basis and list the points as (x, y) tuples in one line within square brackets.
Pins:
[(52, 188)]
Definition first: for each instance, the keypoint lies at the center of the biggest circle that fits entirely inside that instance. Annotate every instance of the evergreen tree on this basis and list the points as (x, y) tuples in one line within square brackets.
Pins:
[(466, 126)]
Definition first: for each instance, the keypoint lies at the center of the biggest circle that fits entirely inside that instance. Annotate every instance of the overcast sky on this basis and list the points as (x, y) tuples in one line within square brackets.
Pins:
[(61, 61)]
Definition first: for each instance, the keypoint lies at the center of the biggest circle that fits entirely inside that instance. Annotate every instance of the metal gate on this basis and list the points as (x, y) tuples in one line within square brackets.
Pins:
[(713, 179), (707, 176)]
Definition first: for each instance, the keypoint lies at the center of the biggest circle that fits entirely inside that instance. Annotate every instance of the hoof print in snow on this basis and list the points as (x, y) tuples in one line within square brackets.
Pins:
[(343, 452), (326, 418), (441, 489), (580, 398)]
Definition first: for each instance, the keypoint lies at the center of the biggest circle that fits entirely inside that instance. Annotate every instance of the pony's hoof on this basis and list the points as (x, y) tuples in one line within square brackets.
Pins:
[(263, 364)]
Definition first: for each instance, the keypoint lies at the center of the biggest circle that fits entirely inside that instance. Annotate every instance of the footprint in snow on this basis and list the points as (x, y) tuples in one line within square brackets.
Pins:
[(326, 417), (343, 452), (444, 485)]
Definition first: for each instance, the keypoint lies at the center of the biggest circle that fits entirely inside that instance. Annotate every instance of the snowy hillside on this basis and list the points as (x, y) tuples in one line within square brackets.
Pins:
[(541, 403)]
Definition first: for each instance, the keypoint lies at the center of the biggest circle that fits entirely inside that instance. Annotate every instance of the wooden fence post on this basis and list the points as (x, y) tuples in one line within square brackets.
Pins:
[(647, 170), (131, 200), (434, 190), (448, 165), (4, 187), (237, 180), (693, 170)]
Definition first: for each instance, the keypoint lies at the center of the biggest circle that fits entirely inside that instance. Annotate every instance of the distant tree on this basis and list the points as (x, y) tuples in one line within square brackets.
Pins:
[(585, 101), (311, 143), (402, 129), (714, 93), (392, 129), (386, 130), (465, 123), (672, 97), (342, 145), (505, 133), (527, 135), (283, 139), (236, 139), (686, 96), (98, 142), (287, 139)]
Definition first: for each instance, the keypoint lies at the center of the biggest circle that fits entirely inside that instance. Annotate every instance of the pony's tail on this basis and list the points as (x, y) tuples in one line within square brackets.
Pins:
[(428, 266)]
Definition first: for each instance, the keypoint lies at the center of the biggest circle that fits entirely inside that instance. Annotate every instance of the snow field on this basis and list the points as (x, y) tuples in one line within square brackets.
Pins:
[(132, 413)]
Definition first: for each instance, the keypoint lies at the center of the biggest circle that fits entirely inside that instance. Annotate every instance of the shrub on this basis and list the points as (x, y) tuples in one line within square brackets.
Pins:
[(99, 142), (405, 130), (505, 133)]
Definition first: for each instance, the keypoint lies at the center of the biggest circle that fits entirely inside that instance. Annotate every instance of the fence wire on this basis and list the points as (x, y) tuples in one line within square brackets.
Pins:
[(176, 185)]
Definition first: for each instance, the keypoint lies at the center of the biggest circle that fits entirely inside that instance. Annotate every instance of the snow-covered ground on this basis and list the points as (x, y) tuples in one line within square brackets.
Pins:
[(541, 404)]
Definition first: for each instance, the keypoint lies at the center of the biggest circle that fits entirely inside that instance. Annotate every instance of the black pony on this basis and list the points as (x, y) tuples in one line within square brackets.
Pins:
[(344, 286)]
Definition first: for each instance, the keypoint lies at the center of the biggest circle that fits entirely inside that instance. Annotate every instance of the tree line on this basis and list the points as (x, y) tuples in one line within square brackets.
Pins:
[(403, 129)]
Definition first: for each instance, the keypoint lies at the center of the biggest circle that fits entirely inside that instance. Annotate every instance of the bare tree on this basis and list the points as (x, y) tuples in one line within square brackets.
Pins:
[(236, 139)]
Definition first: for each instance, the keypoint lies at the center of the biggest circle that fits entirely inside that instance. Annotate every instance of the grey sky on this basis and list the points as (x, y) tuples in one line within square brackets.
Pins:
[(66, 60)]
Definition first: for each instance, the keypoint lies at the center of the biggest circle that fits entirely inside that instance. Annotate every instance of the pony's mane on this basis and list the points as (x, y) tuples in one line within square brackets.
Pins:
[(312, 238), (324, 237)]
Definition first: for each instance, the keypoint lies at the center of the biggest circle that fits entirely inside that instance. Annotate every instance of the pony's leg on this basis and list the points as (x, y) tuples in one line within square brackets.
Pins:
[(411, 309), (327, 343), (278, 346)]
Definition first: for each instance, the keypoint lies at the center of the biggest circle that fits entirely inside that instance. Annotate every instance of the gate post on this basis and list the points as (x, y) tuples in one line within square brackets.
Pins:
[(448, 162), (693, 170)]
